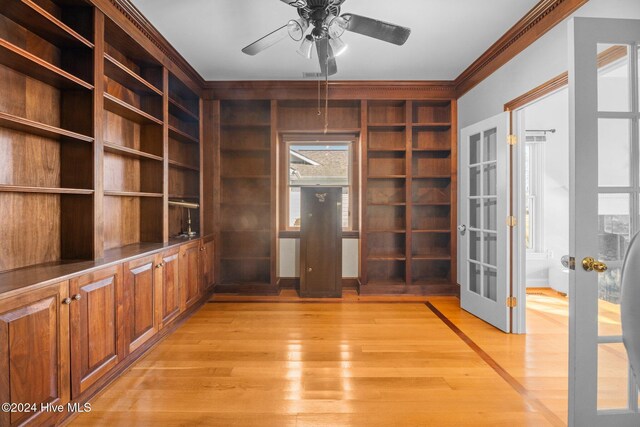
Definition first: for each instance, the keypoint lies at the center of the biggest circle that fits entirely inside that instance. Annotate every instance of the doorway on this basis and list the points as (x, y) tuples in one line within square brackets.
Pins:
[(541, 198)]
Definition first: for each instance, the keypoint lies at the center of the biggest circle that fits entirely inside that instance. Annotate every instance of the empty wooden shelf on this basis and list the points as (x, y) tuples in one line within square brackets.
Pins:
[(126, 77), (40, 21), (39, 69), (409, 195), (128, 111), (32, 127)]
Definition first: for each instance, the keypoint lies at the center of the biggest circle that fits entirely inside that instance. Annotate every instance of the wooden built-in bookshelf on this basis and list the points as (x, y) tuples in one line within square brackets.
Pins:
[(408, 244), (247, 229), (184, 107), (98, 135), (46, 186)]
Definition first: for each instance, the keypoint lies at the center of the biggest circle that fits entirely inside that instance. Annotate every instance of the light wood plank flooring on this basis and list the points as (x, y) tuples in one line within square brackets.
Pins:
[(325, 364), (538, 361)]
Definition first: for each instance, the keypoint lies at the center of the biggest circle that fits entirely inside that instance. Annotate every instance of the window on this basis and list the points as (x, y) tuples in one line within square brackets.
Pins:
[(534, 187), (321, 162)]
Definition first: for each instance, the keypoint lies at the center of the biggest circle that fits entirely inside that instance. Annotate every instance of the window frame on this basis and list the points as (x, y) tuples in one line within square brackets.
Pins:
[(536, 194), (285, 141)]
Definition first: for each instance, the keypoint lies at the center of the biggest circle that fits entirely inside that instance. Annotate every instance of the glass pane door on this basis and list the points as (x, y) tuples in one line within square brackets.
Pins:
[(483, 214)]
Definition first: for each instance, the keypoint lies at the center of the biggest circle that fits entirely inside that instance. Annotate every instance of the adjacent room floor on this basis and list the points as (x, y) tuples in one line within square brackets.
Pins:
[(373, 364)]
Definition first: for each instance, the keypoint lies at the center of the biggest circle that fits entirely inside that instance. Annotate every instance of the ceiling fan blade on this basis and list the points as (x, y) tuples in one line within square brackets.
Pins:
[(296, 3), (328, 65), (267, 41), (380, 30)]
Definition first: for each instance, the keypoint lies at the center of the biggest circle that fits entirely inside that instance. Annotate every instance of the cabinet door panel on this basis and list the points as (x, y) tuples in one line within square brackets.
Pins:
[(208, 279), (34, 352), (97, 335), (141, 321), (170, 285), (190, 273)]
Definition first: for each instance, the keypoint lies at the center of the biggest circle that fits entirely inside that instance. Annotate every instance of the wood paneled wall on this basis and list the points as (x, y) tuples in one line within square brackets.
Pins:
[(407, 200)]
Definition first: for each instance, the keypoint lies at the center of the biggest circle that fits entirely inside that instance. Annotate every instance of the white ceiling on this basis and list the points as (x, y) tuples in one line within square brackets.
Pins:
[(447, 36)]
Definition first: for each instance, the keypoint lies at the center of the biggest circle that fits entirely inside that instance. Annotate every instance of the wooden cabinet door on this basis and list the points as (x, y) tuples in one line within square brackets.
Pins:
[(190, 273), (97, 333), (321, 242), (171, 293), (141, 300), (34, 353), (207, 262)]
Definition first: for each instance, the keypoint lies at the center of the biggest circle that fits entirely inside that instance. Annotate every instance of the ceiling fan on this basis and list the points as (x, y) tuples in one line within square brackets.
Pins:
[(323, 16)]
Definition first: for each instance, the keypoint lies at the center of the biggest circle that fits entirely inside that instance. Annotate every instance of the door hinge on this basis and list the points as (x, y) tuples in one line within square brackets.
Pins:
[(512, 221), (512, 139), (512, 302)]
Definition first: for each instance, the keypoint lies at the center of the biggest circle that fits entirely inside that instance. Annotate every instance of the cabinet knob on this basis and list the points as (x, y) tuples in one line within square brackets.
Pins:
[(309, 269), (159, 265), (77, 297), (66, 301), (202, 249)]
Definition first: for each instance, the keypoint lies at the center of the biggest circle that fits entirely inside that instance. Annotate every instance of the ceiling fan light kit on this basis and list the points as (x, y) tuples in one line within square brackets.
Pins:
[(297, 28), (338, 46), (337, 26), (305, 48), (327, 27)]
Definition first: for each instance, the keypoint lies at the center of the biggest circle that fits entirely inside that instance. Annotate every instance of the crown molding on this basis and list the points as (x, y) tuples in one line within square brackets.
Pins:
[(146, 33), (543, 17), (338, 90), (605, 58)]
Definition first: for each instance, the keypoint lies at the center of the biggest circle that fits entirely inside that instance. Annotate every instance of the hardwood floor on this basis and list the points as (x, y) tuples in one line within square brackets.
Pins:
[(327, 364), (538, 361)]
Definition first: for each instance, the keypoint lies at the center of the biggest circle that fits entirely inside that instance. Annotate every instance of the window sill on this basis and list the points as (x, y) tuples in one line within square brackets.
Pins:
[(295, 234)]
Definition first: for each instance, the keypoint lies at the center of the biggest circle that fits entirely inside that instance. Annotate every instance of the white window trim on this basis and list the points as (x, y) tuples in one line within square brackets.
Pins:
[(537, 170)]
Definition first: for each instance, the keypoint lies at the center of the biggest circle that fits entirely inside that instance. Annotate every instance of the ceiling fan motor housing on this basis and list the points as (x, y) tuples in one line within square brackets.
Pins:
[(316, 13)]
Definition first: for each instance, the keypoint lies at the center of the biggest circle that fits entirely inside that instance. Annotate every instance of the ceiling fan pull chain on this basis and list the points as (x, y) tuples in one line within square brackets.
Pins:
[(326, 94), (319, 110)]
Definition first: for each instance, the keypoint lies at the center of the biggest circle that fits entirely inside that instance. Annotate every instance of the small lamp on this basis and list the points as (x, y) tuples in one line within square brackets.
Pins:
[(188, 205)]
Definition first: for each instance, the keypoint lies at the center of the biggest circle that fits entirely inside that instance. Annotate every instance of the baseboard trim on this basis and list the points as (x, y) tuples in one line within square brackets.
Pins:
[(348, 283), (445, 289), (254, 289), (538, 283)]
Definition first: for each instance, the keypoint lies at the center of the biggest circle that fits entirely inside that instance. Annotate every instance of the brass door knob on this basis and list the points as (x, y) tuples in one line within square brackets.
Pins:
[(591, 264)]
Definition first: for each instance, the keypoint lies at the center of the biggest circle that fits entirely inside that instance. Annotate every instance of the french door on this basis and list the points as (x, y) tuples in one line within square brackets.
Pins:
[(604, 215), (482, 232)]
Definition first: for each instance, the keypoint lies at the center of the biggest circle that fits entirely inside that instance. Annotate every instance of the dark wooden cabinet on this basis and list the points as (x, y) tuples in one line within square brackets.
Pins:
[(171, 294), (34, 352), (207, 262), (142, 300), (96, 326), (190, 273), (321, 242)]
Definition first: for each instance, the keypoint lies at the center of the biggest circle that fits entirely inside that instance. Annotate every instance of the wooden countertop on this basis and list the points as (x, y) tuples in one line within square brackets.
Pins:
[(36, 276)]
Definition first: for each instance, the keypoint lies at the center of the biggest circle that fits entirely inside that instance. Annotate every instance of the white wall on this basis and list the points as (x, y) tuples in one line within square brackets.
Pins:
[(540, 62), (289, 263)]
